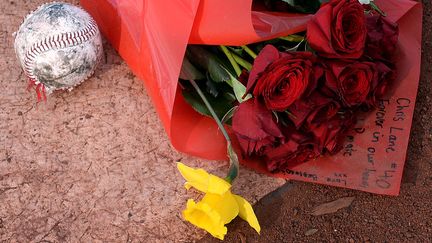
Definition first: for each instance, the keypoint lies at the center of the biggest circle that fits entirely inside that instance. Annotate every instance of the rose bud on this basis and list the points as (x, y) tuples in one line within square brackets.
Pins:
[(280, 78), (255, 128), (338, 30)]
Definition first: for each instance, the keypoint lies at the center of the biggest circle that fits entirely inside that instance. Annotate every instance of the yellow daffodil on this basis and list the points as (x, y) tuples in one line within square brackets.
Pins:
[(218, 207)]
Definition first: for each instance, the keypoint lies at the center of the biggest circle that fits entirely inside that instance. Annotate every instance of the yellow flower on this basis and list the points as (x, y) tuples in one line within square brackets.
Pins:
[(218, 207)]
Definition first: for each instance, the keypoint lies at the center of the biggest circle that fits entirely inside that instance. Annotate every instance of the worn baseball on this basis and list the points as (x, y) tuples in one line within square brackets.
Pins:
[(58, 46)]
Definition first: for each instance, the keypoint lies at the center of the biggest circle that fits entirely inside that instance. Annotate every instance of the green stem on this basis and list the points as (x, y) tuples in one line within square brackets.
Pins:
[(242, 62), (249, 51), (376, 8), (233, 171), (231, 59), (210, 108), (234, 163), (292, 38)]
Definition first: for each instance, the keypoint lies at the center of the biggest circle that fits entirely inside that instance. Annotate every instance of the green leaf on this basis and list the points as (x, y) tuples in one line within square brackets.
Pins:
[(188, 71), (211, 87), (238, 87), (216, 71), (208, 61), (229, 115), (221, 104), (229, 96), (240, 91)]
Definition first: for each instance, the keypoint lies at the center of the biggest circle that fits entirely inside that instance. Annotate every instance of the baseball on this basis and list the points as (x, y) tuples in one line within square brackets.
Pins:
[(58, 46)]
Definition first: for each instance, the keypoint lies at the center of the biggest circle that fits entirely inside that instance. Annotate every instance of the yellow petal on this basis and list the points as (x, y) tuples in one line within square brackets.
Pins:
[(226, 205), (203, 181), (203, 216), (247, 213)]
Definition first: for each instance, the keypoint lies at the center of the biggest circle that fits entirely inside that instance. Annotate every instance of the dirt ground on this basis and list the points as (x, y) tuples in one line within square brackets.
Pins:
[(285, 214), (94, 165)]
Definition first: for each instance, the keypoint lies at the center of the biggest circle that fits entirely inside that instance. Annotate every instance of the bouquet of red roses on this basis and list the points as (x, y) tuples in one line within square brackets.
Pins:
[(283, 82), (303, 92), (346, 51)]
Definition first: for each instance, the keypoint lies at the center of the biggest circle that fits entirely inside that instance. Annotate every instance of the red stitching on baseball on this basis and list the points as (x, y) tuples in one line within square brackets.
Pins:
[(54, 42)]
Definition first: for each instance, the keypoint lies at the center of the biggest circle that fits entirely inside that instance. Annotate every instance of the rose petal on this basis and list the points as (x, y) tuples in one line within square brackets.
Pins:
[(267, 55), (254, 126)]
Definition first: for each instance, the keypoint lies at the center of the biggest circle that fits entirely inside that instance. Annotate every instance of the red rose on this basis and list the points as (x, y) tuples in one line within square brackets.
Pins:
[(331, 134), (324, 110), (380, 86), (382, 38), (280, 78), (338, 30), (254, 127), (324, 130), (299, 148), (351, 81), (314, 109), (321, 116)]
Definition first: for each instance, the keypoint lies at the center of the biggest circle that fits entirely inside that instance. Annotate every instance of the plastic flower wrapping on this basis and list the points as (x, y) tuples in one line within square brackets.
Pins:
[(317, 91)]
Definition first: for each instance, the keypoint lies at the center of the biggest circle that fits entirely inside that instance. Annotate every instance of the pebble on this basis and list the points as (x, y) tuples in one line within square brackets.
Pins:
[(311, 232)]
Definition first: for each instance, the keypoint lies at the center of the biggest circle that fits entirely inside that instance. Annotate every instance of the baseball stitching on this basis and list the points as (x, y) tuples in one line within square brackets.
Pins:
[(60, 41)]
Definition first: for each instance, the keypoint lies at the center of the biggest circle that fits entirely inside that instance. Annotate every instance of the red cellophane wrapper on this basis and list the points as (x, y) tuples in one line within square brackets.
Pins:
[(152, 37)]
